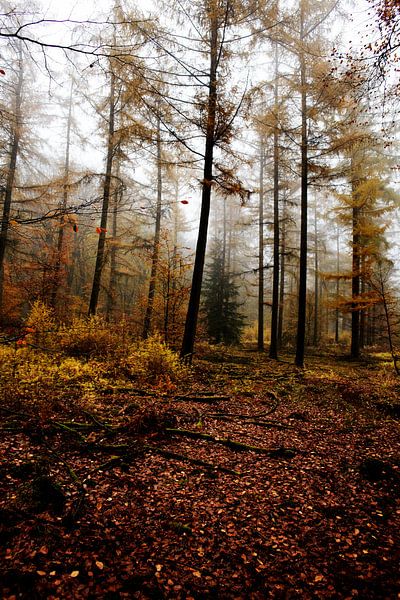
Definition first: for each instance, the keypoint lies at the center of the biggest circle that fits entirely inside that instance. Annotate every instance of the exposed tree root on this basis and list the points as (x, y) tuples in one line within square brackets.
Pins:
[(275, 453), (195, 461), (205, 399)]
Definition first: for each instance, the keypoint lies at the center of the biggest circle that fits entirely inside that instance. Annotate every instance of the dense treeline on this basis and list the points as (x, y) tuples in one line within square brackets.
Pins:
[(124, 136)]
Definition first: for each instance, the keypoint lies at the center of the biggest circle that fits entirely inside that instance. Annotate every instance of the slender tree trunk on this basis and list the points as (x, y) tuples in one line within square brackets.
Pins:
[(106, 200), (260, 338), (355, 279), (195, 292), (273, 349), (337, 286), (224, 269), (60, 239), (363, 313), (112, 283), (316, 281), (156, 245), (302, 300), (170, 309), (282, 277), (371, 325), (12, 167), (168, 293)]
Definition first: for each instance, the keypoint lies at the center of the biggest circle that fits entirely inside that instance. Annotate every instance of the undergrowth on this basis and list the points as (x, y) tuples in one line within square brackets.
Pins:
[(79, 360)]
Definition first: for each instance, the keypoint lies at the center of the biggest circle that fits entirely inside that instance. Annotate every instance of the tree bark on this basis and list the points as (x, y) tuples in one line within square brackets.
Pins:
[(363, 313), (12, 167), (112, 283), (260, 337), (282, 276), (302, 300), (355, 279), (156, 245), (60, 239), (106, 199), (337, 287), (316, 280), (273, 349), (195, 292)]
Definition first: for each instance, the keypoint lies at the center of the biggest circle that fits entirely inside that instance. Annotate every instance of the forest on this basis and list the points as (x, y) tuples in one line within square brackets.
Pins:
[(199, 299)]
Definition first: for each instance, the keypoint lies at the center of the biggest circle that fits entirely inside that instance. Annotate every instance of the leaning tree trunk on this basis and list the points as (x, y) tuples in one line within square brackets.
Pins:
[(12, 167), (94, 298), (302, 299), (197, 278), (156, 244)]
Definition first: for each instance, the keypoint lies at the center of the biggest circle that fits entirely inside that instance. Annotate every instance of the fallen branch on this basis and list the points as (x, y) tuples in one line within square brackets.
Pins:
[(276, 453), (195, 461), (203, 399), (252, 421), (64, 427)]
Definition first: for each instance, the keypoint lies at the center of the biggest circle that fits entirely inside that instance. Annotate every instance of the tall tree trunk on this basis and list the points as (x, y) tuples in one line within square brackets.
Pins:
[(363, 313), (355, 279), (60, 239), (337, 286), (197, 278), (156, 245), (260, 337), (302, 299), (282, 276), (106, 200), (316, 281), (11, 171), (224, 267), (371, 328), (273, 349), (170, 305), (112, 283)]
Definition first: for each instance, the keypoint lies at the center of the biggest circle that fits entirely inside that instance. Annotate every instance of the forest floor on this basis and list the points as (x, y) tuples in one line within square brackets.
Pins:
[(252, 479)]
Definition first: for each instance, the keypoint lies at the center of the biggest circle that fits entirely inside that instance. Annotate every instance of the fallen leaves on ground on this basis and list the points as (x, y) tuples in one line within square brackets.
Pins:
[(129, 513)]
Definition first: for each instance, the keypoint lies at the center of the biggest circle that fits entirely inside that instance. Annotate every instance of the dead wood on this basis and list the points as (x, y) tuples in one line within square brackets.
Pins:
[(195, 461), (204, 399), (249, 419), (239, 446)]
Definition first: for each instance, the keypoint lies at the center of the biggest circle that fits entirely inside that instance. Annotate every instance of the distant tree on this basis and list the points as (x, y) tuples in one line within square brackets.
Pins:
[(156, 240), (221, 304), (381, 284), (363, 209), (15, 131), (63, 206)]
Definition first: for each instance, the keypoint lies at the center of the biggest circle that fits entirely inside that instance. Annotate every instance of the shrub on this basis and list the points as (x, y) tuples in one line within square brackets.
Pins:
[(153, 361), (41, 326), (38, 377), (90, 337)]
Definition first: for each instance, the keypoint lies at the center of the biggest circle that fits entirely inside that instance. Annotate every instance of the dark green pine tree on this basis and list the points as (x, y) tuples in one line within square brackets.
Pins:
[(221, 305)]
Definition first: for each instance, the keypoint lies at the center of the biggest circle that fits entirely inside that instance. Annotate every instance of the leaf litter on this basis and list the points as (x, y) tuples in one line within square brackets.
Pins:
[(301, 502)]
